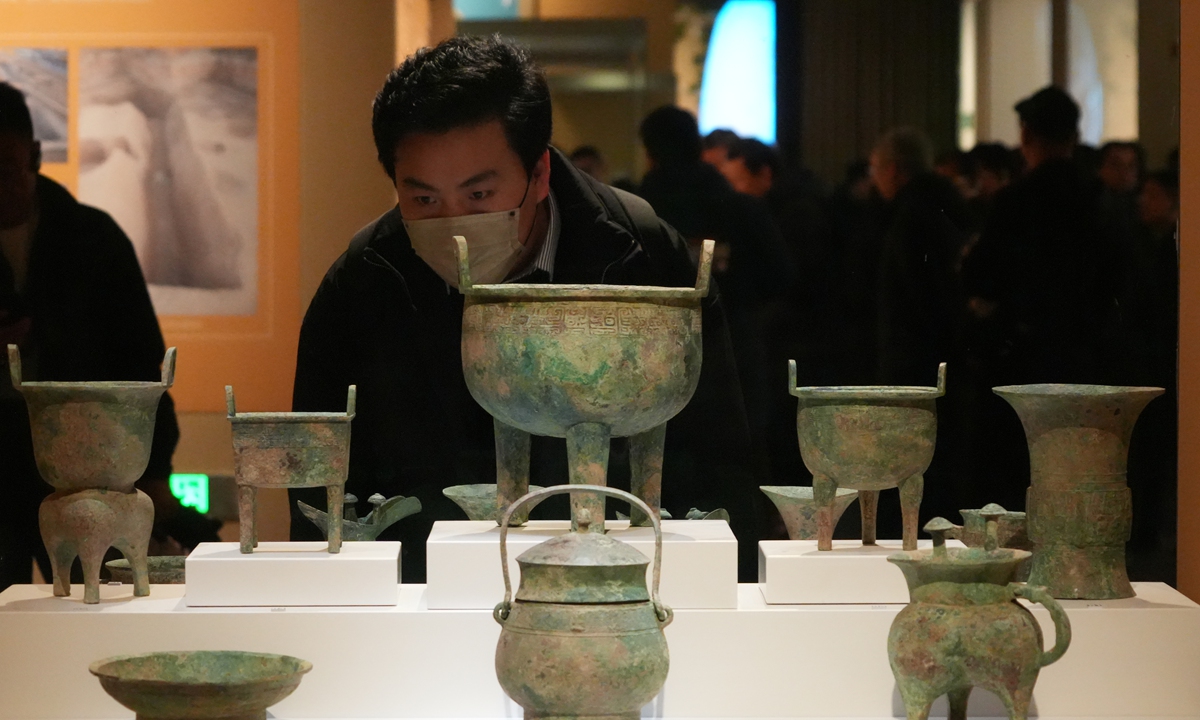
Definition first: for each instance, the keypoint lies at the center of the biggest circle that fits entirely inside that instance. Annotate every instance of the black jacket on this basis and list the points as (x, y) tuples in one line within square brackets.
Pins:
[(91, 320), (1049, 260), (384, 321), (919, 297)]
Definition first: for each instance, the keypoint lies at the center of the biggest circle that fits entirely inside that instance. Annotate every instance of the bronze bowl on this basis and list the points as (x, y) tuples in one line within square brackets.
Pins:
[(162, 569), (92, 435), (225, 684), (799, 509), (544, 358), (479, 501)]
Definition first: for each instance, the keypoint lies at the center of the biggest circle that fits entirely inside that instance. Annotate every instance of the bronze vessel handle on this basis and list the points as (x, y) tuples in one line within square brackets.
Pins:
[(1062, 625), (464, 264), (664, 613), (231, 404), (704, 267), (794, 387), (168, 368), (14, 365)]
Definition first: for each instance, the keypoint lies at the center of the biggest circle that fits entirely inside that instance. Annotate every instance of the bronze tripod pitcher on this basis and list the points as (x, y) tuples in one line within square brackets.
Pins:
[(586, 363)]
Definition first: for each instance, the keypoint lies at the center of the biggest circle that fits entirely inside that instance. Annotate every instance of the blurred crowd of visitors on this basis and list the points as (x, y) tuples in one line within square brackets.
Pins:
[(1049, 262)]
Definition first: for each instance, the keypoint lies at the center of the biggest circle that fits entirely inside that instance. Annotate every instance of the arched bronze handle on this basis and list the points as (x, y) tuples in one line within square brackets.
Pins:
[(664, 613), (1062, 625)]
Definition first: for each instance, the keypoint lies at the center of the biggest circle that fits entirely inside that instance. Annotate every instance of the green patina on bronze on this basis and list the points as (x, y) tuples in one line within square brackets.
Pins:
[(583, 638), (799, 508), (964, 628), (1079, 506), (163, 569), (290, 450), (1011, 532), (868, 438), (200, 685), (384, 513), (91, 442), (586, 363), (479, 502)]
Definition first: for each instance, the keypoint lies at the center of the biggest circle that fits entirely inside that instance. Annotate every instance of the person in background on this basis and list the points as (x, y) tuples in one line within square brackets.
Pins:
[(957, 167), (924, 226), (1152, 333), (717, 145), (73, 299), (994, 169), (1122, 167), (752, 263), (798, 326), (588, 159), (919, 297), (463, 130), (1042, 284)]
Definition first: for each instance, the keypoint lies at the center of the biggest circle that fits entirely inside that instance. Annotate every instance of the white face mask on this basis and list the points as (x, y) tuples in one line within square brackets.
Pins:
[(492, 238)]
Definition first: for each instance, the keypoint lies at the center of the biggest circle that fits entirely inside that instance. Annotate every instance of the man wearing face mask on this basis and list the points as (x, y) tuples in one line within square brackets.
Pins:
[(463, 131)]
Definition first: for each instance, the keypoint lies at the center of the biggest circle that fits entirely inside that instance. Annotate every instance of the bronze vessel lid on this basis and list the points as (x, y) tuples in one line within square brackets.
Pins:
[(583, 567), (990, 564)]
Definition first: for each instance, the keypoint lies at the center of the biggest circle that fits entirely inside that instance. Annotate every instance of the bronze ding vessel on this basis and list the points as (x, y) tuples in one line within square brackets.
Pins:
[(585, 363), (583, 638), (1079, 506), (868, 438), (290, 450), (964, 628), (200, 685), (92, 442)]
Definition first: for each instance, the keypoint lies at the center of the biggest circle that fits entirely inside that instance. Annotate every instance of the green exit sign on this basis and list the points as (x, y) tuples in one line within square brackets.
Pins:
[(192, 490)]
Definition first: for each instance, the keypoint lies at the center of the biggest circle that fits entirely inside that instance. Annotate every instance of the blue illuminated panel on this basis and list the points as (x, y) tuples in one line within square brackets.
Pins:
[(738, 88)]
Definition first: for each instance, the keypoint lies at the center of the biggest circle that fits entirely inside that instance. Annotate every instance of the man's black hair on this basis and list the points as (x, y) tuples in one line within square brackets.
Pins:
[(14, 112), (461, 82), (993, 157), (1136, 147), (1050, 114), (721, 137), (671, 136), (756, 155)]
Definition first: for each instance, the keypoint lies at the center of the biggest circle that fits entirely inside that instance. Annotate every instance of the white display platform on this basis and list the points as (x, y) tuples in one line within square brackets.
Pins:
[(794, 572), (463, 560), (281, 574), (1129, 658)]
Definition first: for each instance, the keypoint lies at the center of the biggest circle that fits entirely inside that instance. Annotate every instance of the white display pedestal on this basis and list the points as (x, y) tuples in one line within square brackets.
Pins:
[(463, 560), (794, 572), (1135, 658), (282, 574)]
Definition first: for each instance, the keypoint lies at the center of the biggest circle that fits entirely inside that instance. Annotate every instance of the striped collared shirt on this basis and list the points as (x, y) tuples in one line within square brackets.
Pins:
[(544, 260)]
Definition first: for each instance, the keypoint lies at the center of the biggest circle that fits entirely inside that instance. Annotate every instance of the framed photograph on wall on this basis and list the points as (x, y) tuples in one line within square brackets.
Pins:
[(180, 119), (168, 145)]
